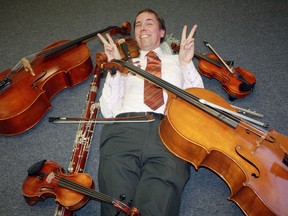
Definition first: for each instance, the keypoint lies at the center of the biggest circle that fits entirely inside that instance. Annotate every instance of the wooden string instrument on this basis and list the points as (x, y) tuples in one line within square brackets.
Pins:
[(252, 159), (27, 88), (237, 82), (47, 179)]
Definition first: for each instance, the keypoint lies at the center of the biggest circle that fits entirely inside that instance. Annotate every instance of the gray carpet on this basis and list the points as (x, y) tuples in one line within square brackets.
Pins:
[(252, 33)]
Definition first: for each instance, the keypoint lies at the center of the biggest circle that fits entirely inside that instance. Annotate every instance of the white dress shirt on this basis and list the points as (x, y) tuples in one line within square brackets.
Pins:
[(125, 93)]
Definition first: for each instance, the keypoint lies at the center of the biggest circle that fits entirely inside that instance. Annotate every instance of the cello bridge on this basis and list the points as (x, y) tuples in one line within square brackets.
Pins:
[(27, 66), (258, 143)]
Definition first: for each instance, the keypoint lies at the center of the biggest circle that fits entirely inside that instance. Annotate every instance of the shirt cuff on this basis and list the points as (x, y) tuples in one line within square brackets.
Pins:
[(189, 72)]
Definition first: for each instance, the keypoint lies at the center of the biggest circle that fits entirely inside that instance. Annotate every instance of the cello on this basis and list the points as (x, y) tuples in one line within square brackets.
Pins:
[(27, 88), (250, 158)]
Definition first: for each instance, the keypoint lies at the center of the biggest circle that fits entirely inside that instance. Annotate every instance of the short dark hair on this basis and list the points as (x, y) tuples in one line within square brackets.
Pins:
[(159, 18)]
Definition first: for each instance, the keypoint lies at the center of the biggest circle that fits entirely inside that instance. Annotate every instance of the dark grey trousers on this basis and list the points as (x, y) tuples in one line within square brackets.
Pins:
[(134, 162)]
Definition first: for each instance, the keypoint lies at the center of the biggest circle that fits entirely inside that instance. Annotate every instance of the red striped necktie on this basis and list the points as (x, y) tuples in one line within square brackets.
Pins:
[(153, 95)]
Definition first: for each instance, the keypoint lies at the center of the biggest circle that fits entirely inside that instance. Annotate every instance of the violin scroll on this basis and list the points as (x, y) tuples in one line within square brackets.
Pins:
[(124, 30)]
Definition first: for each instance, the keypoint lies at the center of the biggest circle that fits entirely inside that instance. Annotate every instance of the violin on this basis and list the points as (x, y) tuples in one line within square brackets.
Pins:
[(237, 82), (128, 49), (27, 88), (47, 179), (251, 158)]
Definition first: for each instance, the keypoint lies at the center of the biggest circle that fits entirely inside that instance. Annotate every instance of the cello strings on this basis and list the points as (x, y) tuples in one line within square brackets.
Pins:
[(20, 65), (234, 121), (61, 47), (189, 97)]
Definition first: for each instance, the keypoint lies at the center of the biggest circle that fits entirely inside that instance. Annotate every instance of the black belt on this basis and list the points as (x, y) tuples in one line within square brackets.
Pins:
[(133, 114)]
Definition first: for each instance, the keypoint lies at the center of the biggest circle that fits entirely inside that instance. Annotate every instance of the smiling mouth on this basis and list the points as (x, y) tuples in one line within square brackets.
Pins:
[(144, 36)]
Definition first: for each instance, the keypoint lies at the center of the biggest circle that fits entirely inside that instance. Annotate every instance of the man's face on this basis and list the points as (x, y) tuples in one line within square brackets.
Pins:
[(147, 31)]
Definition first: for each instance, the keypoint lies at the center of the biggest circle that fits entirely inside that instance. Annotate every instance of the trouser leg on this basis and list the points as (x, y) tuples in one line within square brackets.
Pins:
[(163, 178), (141, 168), (118, 168)]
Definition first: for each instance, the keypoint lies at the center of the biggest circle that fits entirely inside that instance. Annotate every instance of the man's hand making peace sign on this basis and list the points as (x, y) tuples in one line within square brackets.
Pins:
[(187, 47), (110, 47)]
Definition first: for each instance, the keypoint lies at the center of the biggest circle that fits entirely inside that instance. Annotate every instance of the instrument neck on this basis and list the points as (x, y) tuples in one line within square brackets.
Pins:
[(75, 42), (228, 119), (68, 184), (125, 50), (208, 59)]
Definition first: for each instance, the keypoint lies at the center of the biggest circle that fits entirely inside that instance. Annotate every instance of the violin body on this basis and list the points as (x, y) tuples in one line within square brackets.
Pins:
[(237, 84), (38, 188), (250, 162), (47, 179), (25, 101)]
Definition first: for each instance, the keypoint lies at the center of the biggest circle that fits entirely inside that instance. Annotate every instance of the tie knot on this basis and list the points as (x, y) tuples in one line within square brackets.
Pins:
[(152, 54), (152, 58)]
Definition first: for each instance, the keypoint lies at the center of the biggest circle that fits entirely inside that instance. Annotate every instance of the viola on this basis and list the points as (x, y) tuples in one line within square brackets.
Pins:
[(26, 89), (252, 159), (237, 82), (47, 179)]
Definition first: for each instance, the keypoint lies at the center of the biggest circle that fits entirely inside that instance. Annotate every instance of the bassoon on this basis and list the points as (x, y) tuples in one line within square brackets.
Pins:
[(84, 136), (85, 130)]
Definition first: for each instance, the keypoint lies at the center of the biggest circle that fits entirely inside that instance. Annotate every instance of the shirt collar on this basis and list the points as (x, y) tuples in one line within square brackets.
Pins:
[(157, 50)]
